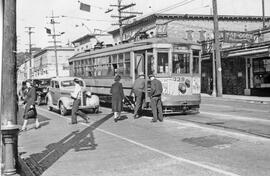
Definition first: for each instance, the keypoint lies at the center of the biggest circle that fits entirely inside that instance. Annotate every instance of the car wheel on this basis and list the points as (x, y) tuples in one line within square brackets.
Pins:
[(49, 102), (63, 110), (39, 100)]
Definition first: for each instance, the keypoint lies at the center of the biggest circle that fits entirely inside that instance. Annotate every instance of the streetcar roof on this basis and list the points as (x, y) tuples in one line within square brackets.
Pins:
[(66, 78), (133, 45)]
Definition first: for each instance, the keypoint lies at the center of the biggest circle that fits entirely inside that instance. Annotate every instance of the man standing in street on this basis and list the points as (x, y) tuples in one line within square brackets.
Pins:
[(155, 96), (138, 89), (76, 96)]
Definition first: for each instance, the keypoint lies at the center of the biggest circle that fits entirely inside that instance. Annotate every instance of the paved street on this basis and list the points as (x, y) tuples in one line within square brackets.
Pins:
[(138, 147)]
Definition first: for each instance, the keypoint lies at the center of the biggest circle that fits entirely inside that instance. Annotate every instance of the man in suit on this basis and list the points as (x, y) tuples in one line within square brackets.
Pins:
[(155, 96), (138, 89)]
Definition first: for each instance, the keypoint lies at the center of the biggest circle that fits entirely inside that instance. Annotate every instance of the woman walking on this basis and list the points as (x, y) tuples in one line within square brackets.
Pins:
[(29, 102), (117, 97)]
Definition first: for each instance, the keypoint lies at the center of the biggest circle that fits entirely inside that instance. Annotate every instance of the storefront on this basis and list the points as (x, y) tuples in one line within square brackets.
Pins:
[(257, 68)]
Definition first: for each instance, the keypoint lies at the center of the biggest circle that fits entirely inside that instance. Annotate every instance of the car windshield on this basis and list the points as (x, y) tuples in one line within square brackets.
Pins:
[(45, 82), (67, 83)]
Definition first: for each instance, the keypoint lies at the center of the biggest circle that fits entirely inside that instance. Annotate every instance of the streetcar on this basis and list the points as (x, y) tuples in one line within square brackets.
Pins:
[(175, 62)]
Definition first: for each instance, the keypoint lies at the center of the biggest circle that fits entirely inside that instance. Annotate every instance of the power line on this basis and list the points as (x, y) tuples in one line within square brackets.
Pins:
[(175, 6), (122, 18), (86, 19)]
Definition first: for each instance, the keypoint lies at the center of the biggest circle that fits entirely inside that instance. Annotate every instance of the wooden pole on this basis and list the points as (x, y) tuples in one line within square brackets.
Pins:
[(263, 14), (217, 50)]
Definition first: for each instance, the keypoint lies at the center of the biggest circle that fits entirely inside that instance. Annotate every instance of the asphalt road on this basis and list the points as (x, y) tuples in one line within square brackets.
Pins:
[(137, 147)]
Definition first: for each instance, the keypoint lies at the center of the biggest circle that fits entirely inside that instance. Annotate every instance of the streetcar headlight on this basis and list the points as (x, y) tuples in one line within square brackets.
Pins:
[(182, 88)]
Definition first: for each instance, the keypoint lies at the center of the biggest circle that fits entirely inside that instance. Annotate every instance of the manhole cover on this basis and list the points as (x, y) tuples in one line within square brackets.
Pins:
[(210, 141)]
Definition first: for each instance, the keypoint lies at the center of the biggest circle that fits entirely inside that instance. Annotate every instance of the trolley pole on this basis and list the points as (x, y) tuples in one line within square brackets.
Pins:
[(217, 50), (9, 127)]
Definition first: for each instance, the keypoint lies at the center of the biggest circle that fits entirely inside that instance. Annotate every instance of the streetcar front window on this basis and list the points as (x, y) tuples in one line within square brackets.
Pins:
[(163, 63), (181, 63)]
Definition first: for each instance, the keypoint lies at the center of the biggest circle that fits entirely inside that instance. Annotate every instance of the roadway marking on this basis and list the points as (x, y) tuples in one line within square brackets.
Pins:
[(193, 125), (244, 109), (180, 159), (235, 117)]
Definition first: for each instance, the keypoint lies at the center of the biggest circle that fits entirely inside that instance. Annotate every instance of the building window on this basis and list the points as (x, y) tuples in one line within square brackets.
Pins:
[(163, 63), (181, 63), (261, 72)]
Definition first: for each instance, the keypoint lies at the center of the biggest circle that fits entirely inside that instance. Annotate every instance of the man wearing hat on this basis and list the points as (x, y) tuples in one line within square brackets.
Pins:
[(155, 96), (76, 96), (138, 89)]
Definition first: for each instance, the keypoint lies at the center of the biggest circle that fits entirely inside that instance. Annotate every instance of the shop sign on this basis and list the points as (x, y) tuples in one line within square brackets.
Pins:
[(161, 30), (237, 37)]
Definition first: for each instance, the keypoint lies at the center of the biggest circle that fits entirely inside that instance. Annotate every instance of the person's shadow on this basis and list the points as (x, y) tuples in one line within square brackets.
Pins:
[(79, 141)]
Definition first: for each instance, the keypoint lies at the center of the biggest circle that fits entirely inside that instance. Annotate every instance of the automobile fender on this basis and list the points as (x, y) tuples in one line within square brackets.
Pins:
[(49, 98), (67, 102)]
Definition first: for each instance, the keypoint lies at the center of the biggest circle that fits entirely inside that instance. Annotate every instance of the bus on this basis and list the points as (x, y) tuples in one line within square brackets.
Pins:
[(175, 62)]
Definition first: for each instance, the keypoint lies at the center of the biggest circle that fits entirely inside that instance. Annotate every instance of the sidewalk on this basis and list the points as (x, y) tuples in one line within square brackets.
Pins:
[(250, 99)]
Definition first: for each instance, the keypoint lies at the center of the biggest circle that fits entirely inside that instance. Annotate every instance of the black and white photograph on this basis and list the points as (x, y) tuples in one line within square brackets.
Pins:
[(135, 87)]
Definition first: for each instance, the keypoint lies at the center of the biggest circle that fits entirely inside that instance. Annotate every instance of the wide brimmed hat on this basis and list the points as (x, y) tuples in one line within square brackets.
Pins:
[(152, 75), (117, 78), (141, 74)]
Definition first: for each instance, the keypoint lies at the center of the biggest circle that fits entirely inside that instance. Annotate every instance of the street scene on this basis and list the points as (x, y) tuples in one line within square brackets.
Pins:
[(128, 88)]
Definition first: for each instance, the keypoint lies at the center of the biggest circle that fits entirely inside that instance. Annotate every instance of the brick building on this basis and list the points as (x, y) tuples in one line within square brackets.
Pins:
[(197, 28)]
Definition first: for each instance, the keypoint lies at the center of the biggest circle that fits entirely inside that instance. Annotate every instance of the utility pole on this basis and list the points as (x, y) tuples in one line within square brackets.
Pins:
[(263, 14), (30, 32), (9, 127), (121, 17), (54, 35), (217, 50)]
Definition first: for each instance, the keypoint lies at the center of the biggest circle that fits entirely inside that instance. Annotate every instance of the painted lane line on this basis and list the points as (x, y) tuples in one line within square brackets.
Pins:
[(180, 159), (244, 109), (235, 117), (193, 125), (221, 106)]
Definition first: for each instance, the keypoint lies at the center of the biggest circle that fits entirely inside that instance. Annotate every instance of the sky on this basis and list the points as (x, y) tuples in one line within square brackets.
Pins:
[(35, 13)]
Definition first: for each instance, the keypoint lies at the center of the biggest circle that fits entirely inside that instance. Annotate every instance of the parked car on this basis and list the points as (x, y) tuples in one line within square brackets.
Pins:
[(59, 97), (41, 86)]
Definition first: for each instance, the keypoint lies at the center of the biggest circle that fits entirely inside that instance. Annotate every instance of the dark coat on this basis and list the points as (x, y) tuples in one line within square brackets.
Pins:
[(30, 100), (117, 97), (156, 88)]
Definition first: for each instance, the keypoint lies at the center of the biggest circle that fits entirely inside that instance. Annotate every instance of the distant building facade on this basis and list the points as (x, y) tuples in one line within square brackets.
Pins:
[(44, 62)]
